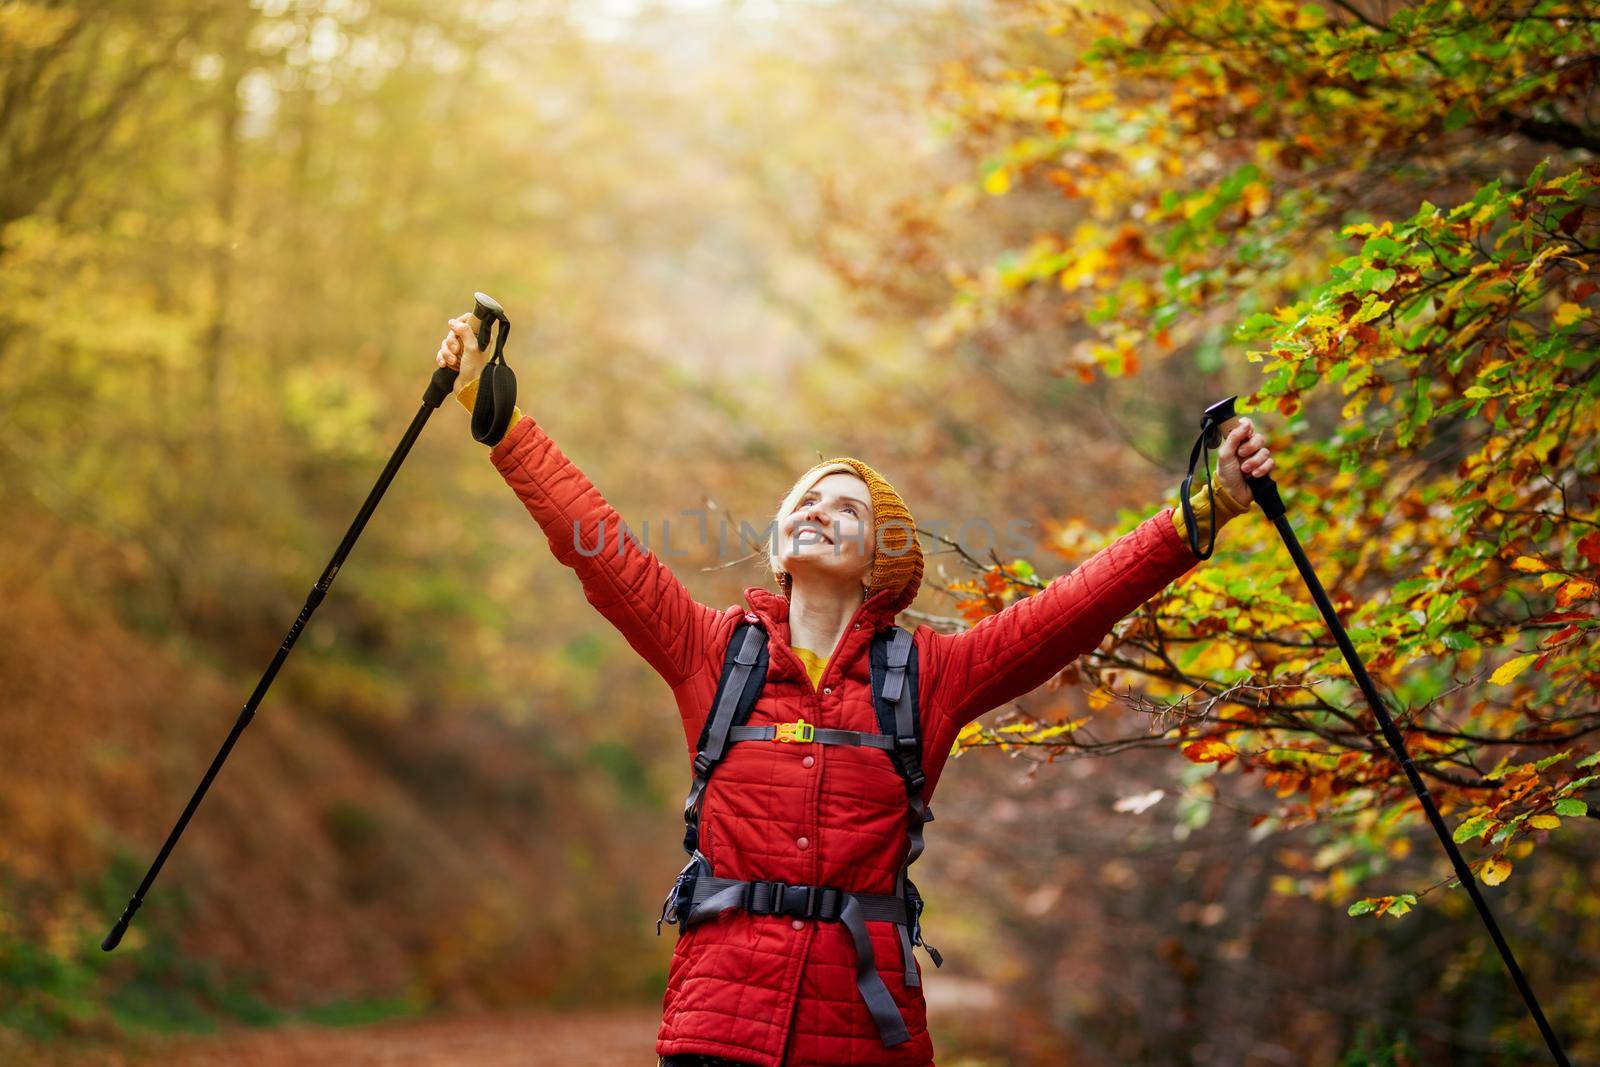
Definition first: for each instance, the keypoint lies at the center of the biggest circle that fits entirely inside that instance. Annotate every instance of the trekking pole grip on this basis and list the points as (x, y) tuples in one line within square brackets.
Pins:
[(1262, 488), (486, 311)]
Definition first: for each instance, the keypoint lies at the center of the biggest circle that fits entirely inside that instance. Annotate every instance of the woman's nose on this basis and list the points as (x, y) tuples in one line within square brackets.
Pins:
[(814, 515)]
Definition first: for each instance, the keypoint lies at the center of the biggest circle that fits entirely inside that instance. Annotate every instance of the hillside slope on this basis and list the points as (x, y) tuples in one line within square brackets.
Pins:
[(439, 857)]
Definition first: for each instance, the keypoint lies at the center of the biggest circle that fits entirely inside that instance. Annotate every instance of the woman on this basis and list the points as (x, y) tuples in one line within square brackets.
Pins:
[(763, 990)]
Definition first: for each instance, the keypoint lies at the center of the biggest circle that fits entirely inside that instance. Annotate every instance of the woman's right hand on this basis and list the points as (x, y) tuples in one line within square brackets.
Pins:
[(460, 350)]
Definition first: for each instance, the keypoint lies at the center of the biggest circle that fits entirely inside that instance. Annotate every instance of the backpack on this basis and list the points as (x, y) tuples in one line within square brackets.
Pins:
[(697, 894)]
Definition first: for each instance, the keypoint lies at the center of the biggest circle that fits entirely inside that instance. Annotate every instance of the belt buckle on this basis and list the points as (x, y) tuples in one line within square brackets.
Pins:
[(797, 900), (799, 730)]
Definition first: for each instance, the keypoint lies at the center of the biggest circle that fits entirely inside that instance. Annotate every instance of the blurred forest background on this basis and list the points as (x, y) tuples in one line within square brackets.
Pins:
[(1006, 252)]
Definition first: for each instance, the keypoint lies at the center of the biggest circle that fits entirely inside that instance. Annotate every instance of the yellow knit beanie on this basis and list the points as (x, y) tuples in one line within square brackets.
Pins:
[(897, 561)]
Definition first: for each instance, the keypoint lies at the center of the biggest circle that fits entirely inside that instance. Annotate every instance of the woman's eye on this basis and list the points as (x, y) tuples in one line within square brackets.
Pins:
[(851, 508)]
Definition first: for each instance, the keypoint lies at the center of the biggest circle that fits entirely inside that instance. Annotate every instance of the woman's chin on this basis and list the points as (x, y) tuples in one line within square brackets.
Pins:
[(817, 571)]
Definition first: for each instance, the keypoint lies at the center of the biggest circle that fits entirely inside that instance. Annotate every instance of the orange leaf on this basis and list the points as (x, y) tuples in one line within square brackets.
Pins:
[(1577, 589), (1208, 750)]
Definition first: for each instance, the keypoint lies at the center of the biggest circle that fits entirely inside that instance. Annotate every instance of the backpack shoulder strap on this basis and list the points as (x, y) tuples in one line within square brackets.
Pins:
[(893, 661), (744, 672), (894, 697)]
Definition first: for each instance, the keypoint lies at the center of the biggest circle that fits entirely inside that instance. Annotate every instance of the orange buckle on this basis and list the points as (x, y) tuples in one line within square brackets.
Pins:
[(799, 730)]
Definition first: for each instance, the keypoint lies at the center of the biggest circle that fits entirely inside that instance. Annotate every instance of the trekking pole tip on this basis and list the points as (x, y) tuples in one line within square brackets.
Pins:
[(120, 927)]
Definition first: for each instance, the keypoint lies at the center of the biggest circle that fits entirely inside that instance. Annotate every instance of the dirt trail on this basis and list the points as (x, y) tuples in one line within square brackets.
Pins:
[(621, 1037)]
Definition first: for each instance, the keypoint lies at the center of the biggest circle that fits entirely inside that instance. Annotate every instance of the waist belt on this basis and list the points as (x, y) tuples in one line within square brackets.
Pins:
[(711, 896)]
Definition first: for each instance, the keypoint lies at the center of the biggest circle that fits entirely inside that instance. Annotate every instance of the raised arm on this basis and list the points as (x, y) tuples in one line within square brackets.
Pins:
[(626, 582), (1018, 649)]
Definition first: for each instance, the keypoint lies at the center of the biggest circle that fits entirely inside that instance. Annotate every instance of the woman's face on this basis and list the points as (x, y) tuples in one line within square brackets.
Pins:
[(828, 536)]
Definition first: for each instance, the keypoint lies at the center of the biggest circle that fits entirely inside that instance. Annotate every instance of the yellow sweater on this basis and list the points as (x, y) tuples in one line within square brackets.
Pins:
[(1227, 507), (814, 664)]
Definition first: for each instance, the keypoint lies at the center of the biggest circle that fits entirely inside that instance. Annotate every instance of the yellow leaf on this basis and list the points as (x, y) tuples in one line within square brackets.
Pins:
[(1567, 314), (1308, 17), (1217, 656), (998, 183), (1257, 197), (1551, 579), (1529, 564), (1495, 870), (1511, 668), (1544, 822)]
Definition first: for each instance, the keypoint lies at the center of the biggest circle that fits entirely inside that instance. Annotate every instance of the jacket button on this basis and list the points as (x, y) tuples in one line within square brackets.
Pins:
[(798, 925), (808, 761), (857, 626), (827, 689), (803, 842)]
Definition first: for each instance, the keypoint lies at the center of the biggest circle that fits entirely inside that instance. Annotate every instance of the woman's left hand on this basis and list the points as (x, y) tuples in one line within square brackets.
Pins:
[(1243, 452)]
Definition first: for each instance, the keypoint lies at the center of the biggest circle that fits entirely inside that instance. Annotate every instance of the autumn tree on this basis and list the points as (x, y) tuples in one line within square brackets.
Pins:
[(1379, 224)]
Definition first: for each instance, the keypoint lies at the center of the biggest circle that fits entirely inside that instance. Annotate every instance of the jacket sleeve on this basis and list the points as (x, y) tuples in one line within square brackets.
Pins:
[(1013, 652), (1228, 509), (625, 582)]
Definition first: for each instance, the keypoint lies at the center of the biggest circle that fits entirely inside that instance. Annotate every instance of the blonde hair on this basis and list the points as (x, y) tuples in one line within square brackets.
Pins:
[(807, 480)]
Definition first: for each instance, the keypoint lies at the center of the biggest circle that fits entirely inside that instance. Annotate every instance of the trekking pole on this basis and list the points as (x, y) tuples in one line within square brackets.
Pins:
[(1215, 424), (497, 378)]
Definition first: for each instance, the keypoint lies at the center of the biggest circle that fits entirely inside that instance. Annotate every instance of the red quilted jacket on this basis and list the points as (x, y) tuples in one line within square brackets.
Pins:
[(772, 990)]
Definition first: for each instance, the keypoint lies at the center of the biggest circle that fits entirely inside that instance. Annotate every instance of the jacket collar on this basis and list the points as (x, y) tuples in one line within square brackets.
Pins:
[(771, 608), (876, 612)]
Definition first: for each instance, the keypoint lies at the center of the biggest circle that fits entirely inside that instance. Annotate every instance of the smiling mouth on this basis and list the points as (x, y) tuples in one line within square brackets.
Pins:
[(812, 536)]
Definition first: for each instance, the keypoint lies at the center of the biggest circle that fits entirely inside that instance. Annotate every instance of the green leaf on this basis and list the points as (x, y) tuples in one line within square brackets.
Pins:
[(1372, 310), (1552, 760), (1255, 326), (1471, 828), (1571, 808)]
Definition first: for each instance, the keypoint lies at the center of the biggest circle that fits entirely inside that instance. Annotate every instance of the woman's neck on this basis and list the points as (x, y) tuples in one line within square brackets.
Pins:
[(819, 614)]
